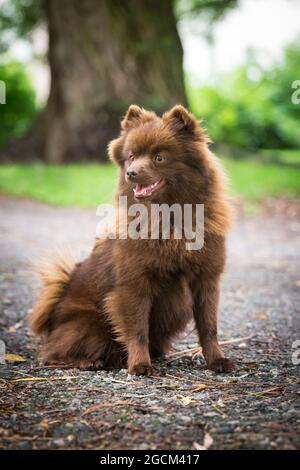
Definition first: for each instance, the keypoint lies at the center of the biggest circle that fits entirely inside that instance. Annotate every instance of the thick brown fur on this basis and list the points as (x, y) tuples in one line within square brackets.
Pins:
[(130, 298)]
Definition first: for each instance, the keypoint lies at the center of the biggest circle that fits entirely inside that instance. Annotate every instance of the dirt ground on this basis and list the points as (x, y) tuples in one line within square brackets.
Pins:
[(185, 406)]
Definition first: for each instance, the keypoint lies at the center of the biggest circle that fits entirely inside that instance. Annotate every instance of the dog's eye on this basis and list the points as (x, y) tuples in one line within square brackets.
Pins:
[(131, 157), (159, 158)]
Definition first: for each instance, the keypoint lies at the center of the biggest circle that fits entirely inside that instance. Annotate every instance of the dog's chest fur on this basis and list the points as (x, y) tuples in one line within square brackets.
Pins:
[(169, 257)]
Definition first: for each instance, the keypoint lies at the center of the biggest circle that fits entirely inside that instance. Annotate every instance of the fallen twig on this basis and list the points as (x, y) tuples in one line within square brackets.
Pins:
[(105, 405), (37, 379), (264, 392), (198, 350), (54, 366)]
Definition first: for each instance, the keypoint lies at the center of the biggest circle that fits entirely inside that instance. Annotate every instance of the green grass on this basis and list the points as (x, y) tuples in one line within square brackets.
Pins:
[(255, 181), (285, 156), (91, 184), (61, 185)]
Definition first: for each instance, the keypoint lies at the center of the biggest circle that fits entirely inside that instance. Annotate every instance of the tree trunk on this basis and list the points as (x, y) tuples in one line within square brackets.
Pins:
[(103, 56)]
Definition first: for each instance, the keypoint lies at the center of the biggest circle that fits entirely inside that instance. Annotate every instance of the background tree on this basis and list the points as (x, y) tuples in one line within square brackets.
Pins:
[(103, 55)]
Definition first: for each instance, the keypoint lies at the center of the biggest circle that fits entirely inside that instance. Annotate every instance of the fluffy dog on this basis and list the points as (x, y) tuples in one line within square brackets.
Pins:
[(130, 298)]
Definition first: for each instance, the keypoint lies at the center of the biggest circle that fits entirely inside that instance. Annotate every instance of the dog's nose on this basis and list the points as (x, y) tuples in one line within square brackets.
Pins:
[(131, 174)]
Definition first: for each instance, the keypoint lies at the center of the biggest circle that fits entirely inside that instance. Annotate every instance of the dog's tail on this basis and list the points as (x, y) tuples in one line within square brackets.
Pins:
[(55, 275)]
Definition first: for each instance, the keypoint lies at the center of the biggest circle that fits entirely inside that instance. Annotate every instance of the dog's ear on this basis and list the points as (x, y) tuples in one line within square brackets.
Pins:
[(132, 117), (115, 148), (136, 116), (183, 121)]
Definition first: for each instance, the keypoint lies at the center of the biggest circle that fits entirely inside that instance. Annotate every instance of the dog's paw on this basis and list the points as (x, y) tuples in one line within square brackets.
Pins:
[(222, 364), (141, 369), (86, 364)]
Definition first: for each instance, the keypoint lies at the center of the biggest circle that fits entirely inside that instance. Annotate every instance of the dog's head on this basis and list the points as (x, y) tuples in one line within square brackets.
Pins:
[(162, 159)]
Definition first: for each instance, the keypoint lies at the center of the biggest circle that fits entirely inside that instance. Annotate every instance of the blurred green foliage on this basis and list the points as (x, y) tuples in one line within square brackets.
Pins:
[(252, 107), (18, 18), (16, 117), (210, 10)]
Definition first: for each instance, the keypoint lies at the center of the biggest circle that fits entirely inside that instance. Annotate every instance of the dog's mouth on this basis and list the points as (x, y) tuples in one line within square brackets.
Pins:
[(146, 190)]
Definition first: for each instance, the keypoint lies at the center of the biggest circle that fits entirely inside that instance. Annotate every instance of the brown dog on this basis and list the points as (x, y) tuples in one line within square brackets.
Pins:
[(130, 298)]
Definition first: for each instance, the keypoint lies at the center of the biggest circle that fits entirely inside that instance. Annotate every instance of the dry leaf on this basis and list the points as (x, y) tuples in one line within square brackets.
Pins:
[(261, 315), (199, 387), (14, 358), (197, 446), (208, 441), (185, 400), (15, 327), (220, 403), (44, 423)]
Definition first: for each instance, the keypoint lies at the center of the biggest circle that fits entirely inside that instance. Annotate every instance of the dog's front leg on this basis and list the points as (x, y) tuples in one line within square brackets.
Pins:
[(206, 305), (129, 308)]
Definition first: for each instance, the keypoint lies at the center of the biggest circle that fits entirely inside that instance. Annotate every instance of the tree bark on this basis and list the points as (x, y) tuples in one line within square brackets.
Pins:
[(103, 56)]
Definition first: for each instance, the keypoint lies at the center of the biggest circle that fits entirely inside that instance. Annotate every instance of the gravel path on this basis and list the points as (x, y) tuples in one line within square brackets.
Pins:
[(185, 406)]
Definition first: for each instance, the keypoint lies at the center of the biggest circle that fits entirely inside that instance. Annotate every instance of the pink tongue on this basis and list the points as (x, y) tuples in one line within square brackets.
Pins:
[(142, 190)]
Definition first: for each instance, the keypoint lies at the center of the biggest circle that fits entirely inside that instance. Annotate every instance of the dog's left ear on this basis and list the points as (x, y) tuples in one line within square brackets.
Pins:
[(184, 121)]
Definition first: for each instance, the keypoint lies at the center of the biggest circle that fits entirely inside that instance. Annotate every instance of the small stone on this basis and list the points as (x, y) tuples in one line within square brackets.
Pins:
[(75, 404), (233, 422), (24, 445), (59, 442), (210, 414), (185, 419)]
